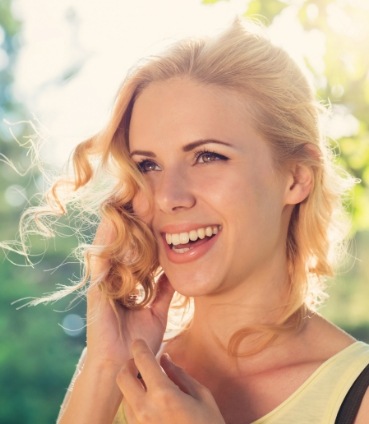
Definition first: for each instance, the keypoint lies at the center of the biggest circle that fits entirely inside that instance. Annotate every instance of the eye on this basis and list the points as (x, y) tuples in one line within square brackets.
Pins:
[(147, 165), (206, 156)]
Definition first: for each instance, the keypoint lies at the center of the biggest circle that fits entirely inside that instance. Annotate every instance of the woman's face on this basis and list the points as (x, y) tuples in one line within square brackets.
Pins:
[(220, 211)]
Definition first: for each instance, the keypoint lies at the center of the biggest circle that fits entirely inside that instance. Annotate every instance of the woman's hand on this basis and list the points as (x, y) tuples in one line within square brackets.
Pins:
[(110, 332), (163, 397)]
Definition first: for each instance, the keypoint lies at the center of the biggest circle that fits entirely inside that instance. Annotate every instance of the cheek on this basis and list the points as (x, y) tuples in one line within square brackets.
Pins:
[(142, 207), (253, 199)]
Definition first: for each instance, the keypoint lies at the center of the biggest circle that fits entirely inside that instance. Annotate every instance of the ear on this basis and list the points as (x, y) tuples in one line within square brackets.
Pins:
[(299, 184)]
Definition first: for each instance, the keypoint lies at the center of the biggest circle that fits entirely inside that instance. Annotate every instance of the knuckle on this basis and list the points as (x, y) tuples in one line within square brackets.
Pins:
[(165, 396), (144, 414)]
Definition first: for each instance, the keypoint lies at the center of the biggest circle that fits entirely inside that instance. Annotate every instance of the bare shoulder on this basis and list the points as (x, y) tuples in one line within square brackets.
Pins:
[(363, 414), (326, 338)]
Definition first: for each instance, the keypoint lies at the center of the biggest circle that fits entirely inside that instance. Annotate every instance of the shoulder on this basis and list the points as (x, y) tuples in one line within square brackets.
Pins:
[(363, 414)]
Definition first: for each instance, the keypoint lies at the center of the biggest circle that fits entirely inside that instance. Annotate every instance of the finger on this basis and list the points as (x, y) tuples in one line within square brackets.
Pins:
[(131, 388), (147, 365), (163, 298), (181, 379)]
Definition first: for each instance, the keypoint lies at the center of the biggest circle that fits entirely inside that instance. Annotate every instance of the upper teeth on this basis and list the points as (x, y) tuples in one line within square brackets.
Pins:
[(193, 235)]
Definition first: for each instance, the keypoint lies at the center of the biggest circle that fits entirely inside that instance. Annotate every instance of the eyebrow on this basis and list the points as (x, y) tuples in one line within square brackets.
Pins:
[(187, 148), (198, 143)]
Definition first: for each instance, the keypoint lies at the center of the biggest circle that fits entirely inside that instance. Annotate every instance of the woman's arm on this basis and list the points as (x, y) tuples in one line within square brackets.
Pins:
[(93, 396), (71, 385)]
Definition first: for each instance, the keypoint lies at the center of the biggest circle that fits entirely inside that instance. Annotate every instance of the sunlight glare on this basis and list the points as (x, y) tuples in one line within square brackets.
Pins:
[(76, 54)]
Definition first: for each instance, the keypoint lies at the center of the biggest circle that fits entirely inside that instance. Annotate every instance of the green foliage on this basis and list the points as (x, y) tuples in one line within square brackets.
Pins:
[(264, 10), (347, 84), (349, 293), (37, 357), (211, 1), (10, 27)]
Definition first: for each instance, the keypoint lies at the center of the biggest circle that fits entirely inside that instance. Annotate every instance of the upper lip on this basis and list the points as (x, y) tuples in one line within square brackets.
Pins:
[(184, 228)]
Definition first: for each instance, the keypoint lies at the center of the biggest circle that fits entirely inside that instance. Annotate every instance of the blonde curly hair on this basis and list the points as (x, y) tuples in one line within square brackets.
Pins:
[(284, 111)]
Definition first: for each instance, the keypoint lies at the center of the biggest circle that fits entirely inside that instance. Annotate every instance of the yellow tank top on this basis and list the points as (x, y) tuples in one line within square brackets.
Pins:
[(318, 399)]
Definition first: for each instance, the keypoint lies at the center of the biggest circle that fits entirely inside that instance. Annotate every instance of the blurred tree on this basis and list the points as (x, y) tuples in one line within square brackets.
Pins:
[(37, 357)]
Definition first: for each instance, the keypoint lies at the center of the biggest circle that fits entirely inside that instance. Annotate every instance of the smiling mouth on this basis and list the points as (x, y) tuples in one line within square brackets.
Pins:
[(185, 241)]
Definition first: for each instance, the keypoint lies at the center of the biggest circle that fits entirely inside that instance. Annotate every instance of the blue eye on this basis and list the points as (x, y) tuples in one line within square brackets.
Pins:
[(207, 157), (147, 165)]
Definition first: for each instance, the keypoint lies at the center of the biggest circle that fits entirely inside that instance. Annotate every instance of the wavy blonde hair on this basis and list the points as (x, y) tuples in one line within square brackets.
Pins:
[(286, 114)]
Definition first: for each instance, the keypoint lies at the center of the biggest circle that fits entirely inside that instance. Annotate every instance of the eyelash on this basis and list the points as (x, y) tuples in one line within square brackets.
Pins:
[(142, 163), (212, 157)]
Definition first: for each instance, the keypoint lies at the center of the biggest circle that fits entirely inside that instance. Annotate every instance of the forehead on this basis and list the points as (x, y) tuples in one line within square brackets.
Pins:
[(183, 110)]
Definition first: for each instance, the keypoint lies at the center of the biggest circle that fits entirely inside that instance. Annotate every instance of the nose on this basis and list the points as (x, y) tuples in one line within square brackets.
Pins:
[(173, 191)]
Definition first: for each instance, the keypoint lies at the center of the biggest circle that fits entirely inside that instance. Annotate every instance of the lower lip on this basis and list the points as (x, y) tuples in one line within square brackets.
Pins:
[(195, 252)]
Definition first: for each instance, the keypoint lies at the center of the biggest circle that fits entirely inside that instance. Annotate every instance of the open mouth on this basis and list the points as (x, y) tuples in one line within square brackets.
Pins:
[(185, 241)]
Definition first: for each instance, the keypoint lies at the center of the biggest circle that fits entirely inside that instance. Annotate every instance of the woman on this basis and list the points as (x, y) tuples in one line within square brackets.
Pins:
[(216, 184)]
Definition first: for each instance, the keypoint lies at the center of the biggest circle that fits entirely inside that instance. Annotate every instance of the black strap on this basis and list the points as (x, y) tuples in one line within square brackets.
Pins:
[(351, 404)]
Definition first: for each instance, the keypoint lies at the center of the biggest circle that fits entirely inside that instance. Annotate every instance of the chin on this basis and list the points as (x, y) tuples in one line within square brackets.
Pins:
[(189, 283)]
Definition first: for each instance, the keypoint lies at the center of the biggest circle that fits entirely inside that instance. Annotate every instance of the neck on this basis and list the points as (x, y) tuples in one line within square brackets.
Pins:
[(255, 303)]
